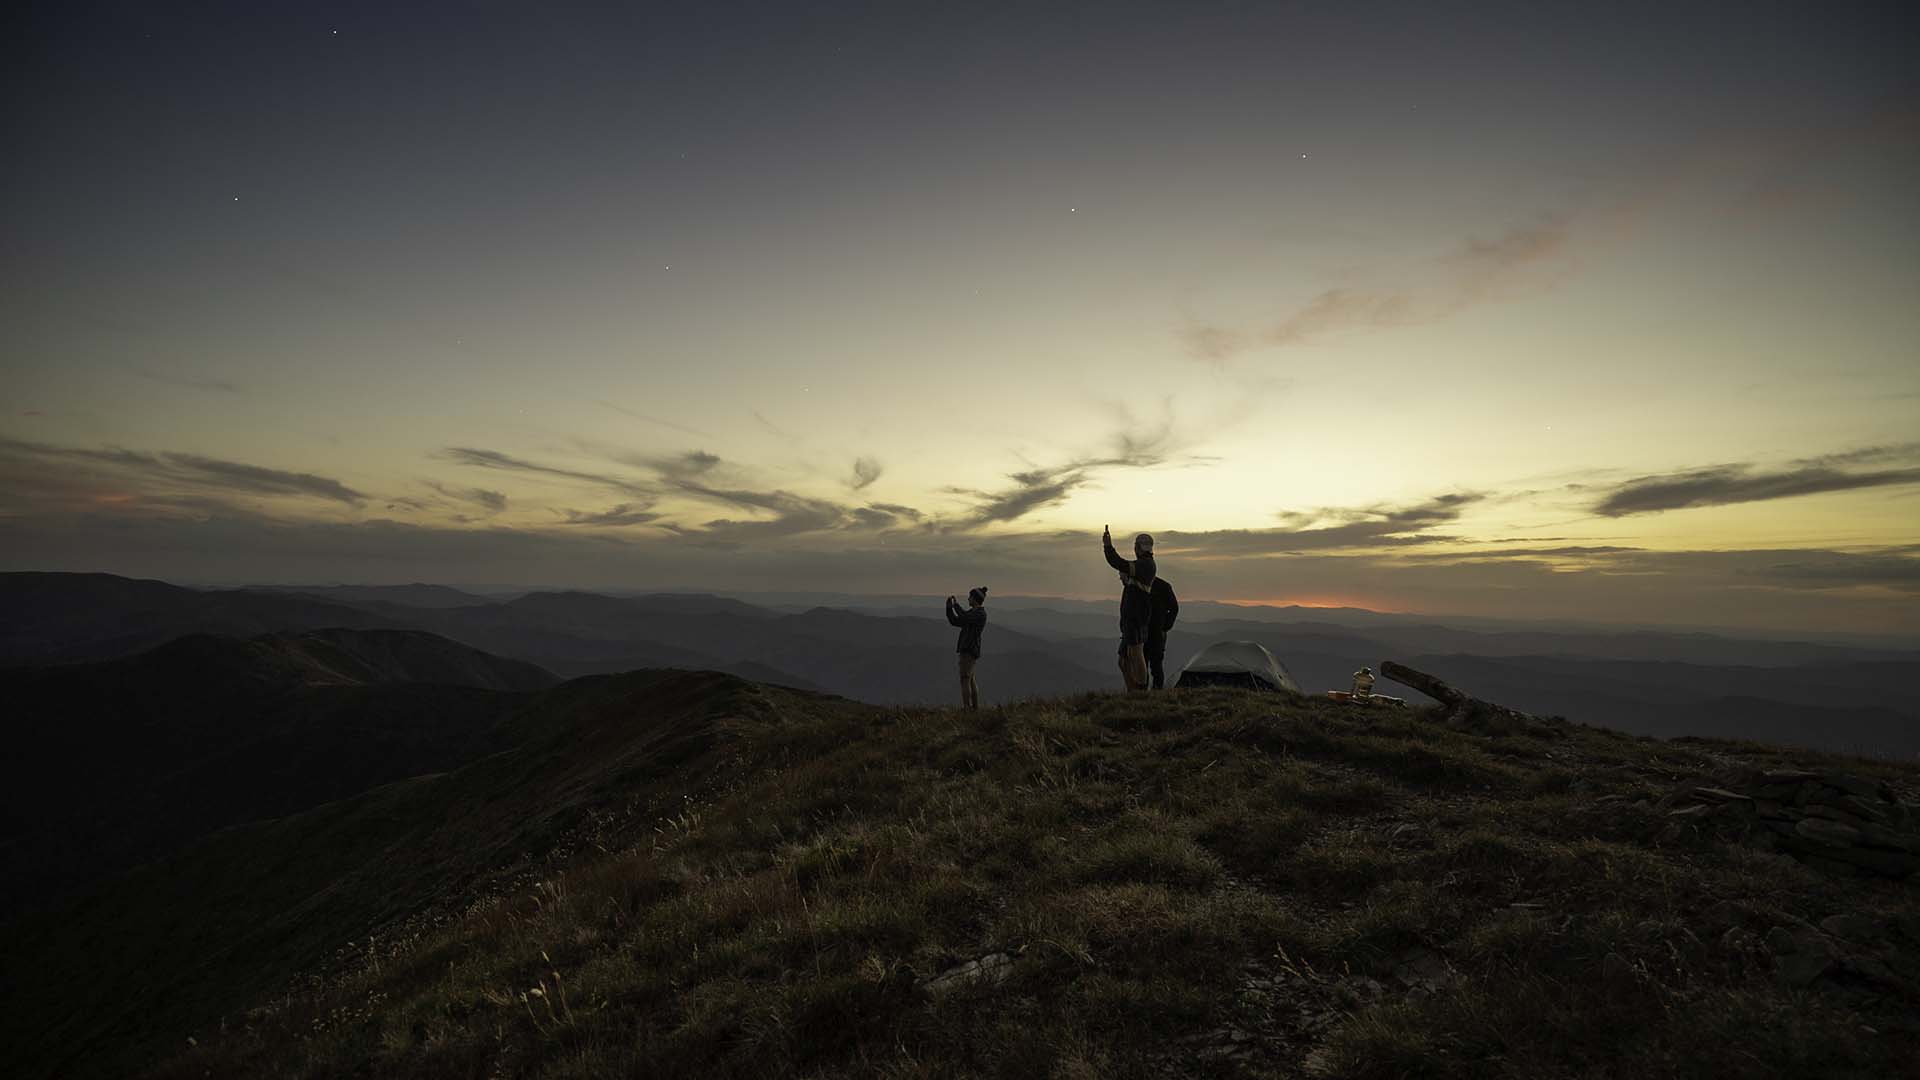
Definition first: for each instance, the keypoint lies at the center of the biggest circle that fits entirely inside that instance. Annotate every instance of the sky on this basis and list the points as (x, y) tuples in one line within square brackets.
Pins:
[(1592, 312)]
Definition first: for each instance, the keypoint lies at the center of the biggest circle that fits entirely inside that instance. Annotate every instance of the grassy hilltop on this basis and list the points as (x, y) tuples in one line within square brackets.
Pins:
[(1195, 883)]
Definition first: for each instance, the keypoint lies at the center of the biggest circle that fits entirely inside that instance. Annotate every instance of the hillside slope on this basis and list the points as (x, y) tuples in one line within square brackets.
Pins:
[(115, 762), (688, 875)]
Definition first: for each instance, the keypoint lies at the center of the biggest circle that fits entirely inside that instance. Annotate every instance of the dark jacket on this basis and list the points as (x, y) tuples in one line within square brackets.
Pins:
[(971, 622), (1136, 590), (1166, 609)]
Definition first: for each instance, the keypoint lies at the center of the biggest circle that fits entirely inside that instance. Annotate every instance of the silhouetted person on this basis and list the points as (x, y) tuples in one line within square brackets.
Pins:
[(1165, 609), (971, 620), (1136, 605)]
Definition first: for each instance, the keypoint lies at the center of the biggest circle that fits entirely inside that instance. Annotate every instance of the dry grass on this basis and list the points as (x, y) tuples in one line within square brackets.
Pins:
[(1205, 883)]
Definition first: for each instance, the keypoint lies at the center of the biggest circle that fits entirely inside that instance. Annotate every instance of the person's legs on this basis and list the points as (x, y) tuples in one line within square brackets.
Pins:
[(1137, 668), (973, 685), (966, 680), (1156, 662), (1126, 667)]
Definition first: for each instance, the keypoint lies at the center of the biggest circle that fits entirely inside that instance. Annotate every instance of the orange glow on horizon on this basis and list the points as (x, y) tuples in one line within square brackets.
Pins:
[(1319, 602)]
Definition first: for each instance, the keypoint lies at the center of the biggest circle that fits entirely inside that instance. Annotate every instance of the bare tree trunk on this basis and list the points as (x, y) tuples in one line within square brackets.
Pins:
[(1460, 709), (1425, 683)]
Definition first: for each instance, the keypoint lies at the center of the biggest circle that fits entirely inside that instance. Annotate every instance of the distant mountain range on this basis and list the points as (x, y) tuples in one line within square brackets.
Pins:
[(1847, 698)]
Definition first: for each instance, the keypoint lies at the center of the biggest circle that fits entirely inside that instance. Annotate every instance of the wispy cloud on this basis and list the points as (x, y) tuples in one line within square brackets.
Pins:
[(1477, 272), (772, 428), (658, 422), (485, 498), (1350, 529), (1866, 455), (142, 470), (494, 459), (622, 515), (183, 379), (1134, 443)]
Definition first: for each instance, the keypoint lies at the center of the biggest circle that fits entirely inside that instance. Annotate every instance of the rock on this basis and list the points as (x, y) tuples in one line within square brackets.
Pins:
[(1887, 838), (1832, 833), (1800, 957), (1834, 813), (1720, 795), (1850, 927), (1909, 927), (1828, 866), (987, 971), (1852, 785), (1423, 970), (1872, 970), (1893, 864), (1866, 808)]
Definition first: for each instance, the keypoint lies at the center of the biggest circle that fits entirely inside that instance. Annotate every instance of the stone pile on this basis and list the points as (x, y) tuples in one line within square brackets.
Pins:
[(1847, 949), (1832, 821)]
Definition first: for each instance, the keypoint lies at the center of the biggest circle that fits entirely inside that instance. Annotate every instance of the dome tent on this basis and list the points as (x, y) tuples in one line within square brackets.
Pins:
[(1237, 663)]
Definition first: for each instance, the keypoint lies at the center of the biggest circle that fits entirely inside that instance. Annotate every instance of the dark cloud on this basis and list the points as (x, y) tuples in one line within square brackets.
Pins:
[(691, 463), (1724, 485), (1834, 570), (1477, 272), (142, 471), (1572, 551), (906, 513), (494, 459), (865, 471)]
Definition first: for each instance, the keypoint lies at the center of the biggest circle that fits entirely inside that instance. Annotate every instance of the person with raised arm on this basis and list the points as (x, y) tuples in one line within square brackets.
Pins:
[(1136, 605)]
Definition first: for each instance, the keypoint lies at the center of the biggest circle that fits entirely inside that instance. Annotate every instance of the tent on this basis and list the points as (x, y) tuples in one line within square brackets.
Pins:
[(1237, 663)]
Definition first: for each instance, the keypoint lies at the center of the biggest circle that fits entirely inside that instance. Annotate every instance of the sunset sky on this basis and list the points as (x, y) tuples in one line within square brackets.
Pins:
[(1603, 312)]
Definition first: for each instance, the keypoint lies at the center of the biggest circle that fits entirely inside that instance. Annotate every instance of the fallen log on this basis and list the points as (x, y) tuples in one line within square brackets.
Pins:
[(1463, 710), (1423, 682)]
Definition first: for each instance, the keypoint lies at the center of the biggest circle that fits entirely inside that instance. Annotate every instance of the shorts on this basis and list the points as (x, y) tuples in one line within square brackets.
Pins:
[(1132, 634), (967, 660)]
